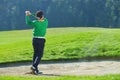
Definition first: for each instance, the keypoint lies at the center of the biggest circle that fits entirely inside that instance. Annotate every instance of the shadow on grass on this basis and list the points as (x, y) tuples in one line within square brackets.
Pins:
[(61, 60)]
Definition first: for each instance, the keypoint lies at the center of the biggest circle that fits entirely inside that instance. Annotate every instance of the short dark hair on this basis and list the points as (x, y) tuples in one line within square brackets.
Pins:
[(39, 14)]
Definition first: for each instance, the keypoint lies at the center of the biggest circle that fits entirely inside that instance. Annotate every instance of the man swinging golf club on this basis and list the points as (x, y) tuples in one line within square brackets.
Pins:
[(39, 31)]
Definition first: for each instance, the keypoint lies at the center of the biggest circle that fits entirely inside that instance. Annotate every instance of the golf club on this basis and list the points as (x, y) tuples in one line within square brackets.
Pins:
[(34, 16)]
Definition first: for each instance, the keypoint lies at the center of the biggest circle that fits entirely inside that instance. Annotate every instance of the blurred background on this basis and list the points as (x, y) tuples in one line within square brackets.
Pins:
[(61, 13)]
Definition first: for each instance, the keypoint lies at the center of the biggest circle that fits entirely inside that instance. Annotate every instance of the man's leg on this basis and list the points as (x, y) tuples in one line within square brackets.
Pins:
[(38, 45)]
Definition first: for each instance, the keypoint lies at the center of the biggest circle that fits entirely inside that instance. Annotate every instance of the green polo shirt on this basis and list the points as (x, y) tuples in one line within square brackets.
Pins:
[(39, 28)]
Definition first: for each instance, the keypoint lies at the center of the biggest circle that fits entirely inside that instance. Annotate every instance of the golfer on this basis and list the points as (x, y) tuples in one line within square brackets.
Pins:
[(39, 31)]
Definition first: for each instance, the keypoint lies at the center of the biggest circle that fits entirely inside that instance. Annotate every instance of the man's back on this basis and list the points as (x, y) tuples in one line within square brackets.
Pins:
[(38, 26)]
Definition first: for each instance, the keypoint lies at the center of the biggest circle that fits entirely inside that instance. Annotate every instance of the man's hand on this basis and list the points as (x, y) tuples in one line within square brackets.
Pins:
[(28, 13)]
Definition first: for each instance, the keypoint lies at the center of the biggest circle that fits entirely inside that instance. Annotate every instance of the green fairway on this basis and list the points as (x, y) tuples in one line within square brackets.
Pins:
[(61, 43), (106, 77)]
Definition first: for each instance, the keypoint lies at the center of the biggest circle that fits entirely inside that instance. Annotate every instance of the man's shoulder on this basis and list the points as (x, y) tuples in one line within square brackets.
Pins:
[(45, 19)]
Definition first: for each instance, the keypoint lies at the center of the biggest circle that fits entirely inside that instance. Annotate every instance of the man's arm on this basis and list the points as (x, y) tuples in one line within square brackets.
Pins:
[(28, 21)]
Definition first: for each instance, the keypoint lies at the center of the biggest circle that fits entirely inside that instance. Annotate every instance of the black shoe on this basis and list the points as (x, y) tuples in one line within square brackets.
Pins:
[(35, 71)]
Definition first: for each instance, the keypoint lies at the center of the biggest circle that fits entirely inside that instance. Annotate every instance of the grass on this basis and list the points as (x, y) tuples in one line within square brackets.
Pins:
[(61, 43), (105, 77)]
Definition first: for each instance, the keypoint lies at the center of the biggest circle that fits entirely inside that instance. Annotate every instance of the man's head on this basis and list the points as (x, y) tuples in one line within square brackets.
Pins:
[(39, 14)]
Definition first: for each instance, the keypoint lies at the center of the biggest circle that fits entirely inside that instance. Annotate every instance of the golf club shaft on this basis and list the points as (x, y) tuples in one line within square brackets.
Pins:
[(34, 16)]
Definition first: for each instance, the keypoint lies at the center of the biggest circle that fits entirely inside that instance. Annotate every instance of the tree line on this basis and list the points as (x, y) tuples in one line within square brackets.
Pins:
[(61, 13)]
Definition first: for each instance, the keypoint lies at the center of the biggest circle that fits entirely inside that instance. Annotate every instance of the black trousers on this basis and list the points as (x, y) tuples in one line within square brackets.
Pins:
[(38, 46)]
